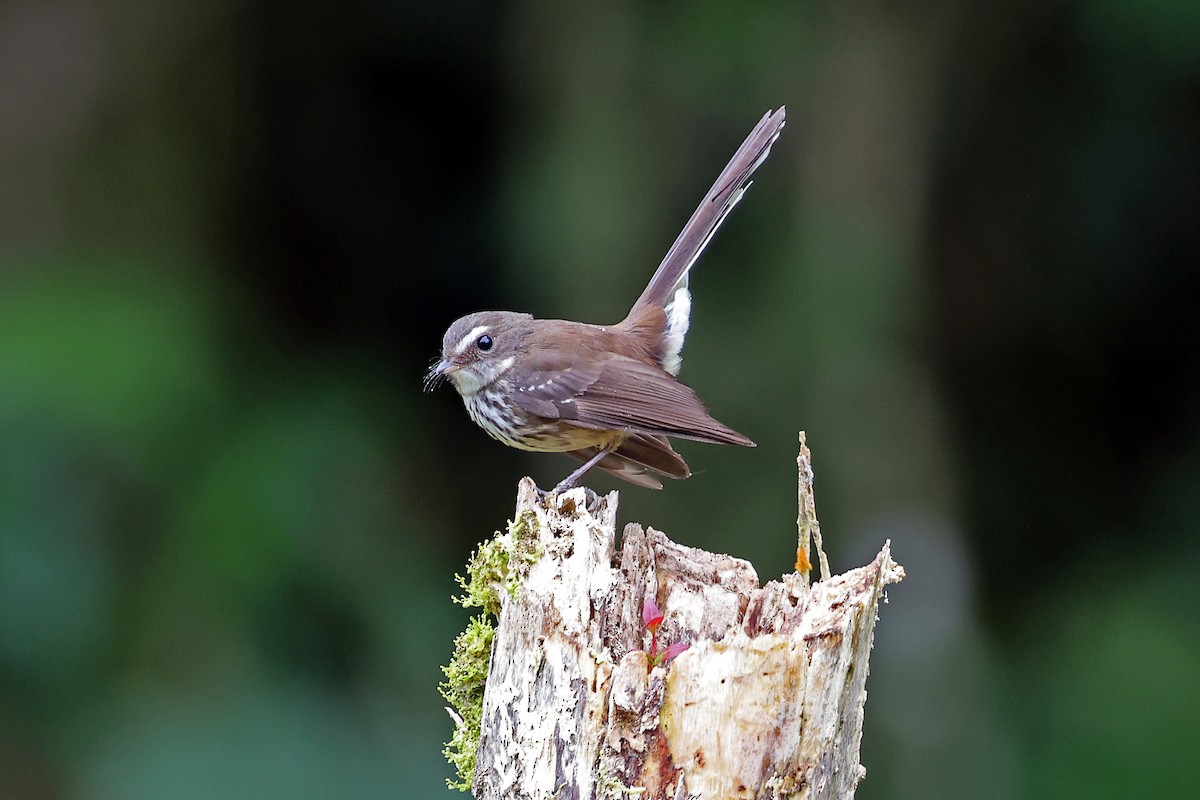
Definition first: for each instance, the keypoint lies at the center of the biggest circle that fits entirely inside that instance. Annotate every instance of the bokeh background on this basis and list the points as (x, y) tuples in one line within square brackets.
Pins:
[(233, 231)]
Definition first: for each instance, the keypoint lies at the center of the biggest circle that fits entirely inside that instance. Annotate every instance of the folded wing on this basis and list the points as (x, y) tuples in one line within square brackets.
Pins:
[(618, 393)]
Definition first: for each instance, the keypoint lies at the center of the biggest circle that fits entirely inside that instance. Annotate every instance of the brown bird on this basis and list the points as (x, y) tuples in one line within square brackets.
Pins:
[(604, 394)]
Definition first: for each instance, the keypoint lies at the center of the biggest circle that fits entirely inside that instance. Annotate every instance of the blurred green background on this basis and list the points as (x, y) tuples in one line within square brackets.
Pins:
[(233, 231)]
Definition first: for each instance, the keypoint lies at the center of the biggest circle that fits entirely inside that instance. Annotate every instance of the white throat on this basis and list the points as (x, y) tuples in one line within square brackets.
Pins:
[(469, 380)]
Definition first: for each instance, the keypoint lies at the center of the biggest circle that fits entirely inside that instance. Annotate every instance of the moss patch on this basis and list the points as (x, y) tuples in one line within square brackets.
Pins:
[(496, 566)]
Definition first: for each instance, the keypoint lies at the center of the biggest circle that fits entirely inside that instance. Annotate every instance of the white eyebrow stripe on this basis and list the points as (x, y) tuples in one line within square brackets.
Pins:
[(469, 339)]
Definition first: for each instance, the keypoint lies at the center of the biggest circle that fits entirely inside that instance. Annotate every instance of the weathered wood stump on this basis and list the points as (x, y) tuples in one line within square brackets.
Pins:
[(766, 703)]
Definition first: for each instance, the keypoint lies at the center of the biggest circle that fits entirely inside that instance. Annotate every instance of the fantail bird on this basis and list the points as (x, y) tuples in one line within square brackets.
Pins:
[(604, 394)]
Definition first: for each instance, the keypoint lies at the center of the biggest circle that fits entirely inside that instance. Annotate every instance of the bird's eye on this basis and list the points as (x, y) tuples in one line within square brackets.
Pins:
[(484, 343)]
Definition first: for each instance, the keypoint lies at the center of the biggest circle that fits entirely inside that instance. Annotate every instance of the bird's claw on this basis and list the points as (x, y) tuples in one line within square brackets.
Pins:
[(590, 499)]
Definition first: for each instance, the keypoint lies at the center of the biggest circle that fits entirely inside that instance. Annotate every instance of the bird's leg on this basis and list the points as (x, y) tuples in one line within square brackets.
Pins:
[(570, 481)]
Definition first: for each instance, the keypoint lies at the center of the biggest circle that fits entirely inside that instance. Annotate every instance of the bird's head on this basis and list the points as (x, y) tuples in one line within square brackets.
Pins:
[(478, 348)]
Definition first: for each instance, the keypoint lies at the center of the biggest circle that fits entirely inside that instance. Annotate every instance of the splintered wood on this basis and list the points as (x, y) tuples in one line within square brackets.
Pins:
[(766, 703)]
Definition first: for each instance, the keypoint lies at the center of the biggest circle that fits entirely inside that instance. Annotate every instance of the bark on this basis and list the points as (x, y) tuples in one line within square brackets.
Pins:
[(767, 702)]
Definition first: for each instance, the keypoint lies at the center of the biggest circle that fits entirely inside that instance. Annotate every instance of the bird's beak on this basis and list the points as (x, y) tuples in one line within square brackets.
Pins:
[(437, 372)]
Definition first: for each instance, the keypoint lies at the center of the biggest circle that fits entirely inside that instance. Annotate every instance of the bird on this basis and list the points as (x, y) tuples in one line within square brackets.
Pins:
[(607, 395)]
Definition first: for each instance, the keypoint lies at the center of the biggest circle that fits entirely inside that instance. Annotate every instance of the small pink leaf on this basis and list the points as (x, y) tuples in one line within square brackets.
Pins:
[(651, 617), (674, 650)]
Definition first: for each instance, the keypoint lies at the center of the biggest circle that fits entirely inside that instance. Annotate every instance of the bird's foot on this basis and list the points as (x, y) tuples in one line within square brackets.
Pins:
[(566, 484), (572, 479), (591, 499)]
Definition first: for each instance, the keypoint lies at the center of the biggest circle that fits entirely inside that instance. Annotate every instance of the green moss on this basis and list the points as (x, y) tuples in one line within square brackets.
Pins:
[(525, 551), (463, 690), (496, 566)]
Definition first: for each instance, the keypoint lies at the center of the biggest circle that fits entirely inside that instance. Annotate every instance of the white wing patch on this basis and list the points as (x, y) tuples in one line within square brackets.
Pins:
[(679, 312)]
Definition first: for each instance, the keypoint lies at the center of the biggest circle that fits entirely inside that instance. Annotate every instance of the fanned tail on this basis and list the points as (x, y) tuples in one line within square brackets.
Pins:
[(720, 200)]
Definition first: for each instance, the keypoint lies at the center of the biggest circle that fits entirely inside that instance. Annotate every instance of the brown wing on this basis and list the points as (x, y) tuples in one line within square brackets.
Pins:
[(617, 393), (550, 383)]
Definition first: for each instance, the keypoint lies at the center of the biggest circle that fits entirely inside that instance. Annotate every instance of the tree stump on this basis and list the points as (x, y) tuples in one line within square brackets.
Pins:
[(766, 703)]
